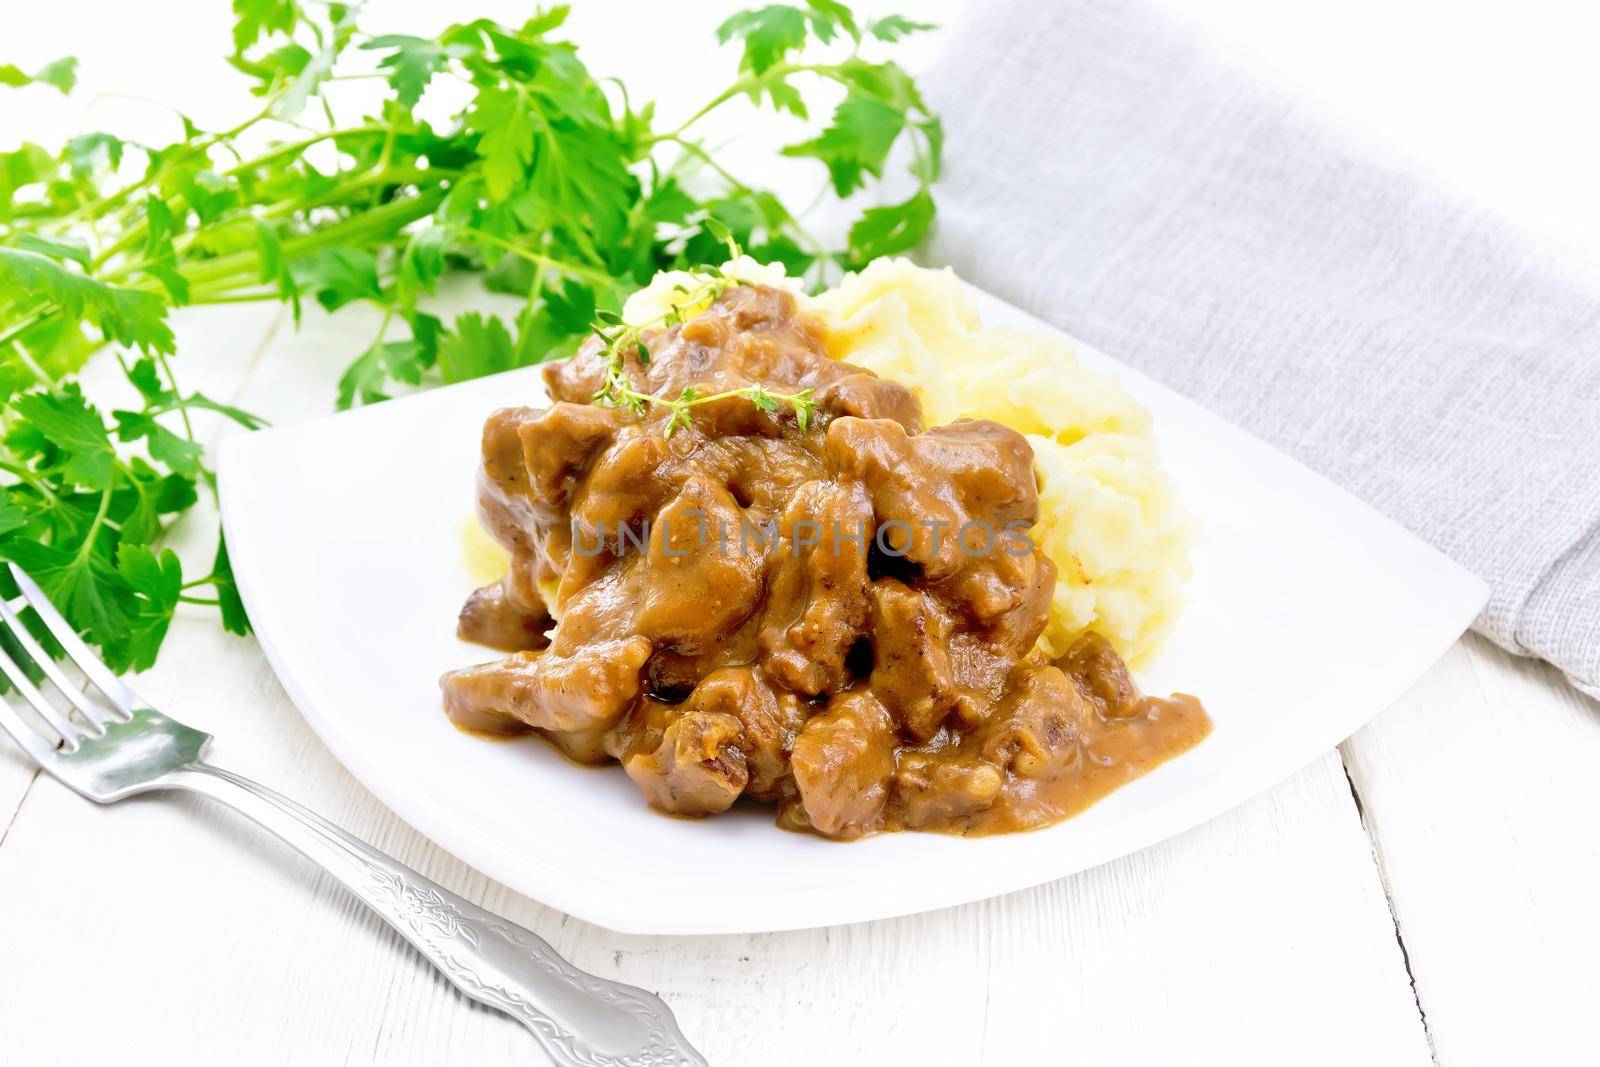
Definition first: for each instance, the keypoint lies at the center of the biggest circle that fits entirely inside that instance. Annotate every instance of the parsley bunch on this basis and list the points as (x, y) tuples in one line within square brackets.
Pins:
[(551, 183)]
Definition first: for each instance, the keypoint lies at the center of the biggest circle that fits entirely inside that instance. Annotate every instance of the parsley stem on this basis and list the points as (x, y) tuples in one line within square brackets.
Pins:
[(695, 149), (235, 266), (746, 84), (26, 359), (121, 244), (224, 296), (565, 266), (198, 147), (31, 479), (27, 322), (384, 158), (295, 148), (99, 521), (182, 405)]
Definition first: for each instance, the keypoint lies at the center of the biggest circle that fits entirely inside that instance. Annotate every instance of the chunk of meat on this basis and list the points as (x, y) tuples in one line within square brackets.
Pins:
[(982, 673), (589, 688), (580, 746), (843, 760), (911, 671), (768, 723), (698, 583), (478, 713), (989, 464), (506, 505), (557, 444), (1102, 677), (817, 594), (578, 379), (696, 768), (490, 618), (867, 396), (755, 334), (595, 612), (762, 473), (1007, 596), (927, 488), (625, 486), (1036, 731), (933, 792)]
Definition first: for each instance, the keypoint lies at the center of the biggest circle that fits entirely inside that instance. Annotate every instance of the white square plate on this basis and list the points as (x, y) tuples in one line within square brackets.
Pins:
[(1309, 613)]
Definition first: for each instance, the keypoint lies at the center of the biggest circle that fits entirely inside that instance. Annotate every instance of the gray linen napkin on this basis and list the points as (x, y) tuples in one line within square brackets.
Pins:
[(1112, 178)]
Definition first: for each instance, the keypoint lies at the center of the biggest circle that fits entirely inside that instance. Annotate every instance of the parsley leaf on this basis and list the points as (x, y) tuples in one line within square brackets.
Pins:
[(234, 619), (156, 583), (124, 316), (552, 183), (337, 276), (856, 143), (503, 120), (769, 34), (892, 28), (178, 453), (62, 74), (895, 228), (480, 345), (259, 18), (411, 64), (75, 438)]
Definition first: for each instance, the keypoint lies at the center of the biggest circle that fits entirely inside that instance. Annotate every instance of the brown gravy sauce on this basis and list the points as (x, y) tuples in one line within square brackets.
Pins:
[(1113, 753), (857, 687)]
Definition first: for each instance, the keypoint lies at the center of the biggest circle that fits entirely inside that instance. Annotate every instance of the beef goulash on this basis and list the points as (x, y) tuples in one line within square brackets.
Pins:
[(836, 614)]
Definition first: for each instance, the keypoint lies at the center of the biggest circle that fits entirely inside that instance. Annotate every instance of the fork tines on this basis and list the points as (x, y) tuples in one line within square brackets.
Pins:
[(91, 717)]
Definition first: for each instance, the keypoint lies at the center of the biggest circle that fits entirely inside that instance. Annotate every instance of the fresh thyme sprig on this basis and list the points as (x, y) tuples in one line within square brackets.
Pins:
[(805, 408), (618, 339)]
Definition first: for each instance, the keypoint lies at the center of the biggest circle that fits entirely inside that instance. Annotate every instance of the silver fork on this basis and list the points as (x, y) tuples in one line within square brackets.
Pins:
[(107, 754)]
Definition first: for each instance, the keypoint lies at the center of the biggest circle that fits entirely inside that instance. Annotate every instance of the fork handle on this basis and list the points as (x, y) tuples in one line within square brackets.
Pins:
[(579, 1019)]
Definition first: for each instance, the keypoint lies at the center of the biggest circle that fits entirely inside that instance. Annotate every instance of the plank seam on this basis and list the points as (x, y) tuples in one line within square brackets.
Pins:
[(16, 812), (237, 397), (1388, 900)]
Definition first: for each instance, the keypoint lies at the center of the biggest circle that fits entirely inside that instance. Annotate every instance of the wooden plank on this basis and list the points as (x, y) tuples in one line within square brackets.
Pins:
[(1480, 792), (17, 773), (1259, 937), (1261, 934)]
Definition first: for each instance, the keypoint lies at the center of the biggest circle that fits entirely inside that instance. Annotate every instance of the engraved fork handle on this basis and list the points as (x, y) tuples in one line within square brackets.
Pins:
[(579, 1019)]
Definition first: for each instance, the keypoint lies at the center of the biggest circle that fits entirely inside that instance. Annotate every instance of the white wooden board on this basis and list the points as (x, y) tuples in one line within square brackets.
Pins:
[(1261, 934), (1482, 794)]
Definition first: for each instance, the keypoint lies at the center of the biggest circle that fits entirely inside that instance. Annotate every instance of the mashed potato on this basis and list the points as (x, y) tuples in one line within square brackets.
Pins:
[(667, 289), (1109, 518)]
